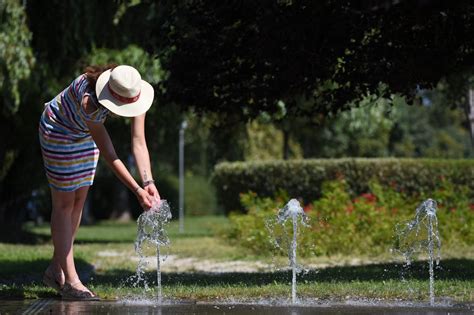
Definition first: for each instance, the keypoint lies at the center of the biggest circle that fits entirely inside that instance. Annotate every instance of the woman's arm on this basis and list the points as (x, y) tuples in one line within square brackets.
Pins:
[(141, 154), (140, 149), (104, 143)]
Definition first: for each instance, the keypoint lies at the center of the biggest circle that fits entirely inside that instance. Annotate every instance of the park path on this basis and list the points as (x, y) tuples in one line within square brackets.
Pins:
[(176, 263)]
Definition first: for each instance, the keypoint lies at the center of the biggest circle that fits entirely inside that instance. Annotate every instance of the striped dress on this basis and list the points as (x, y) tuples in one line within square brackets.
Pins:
[(70, 154)]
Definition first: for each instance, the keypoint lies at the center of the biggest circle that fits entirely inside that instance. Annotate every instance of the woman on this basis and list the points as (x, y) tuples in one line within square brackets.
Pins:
[(72, 133)]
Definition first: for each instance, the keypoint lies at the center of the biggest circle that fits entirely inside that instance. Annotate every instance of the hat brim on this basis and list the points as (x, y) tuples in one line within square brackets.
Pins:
[(120, 108)]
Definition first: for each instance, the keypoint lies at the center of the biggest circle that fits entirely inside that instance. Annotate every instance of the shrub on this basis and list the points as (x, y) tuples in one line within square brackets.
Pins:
[(303, 178), (341, 224), (250, 230)]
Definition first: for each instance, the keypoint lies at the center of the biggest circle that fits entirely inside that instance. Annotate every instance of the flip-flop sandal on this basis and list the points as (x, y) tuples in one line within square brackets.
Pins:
[(68, 292)]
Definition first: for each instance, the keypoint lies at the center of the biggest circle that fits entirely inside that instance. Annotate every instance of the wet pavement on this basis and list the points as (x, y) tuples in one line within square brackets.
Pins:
[(52, 306)]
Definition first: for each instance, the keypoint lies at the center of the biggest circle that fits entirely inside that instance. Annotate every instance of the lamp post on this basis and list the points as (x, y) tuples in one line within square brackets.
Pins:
[(470, 113), (183, 126)]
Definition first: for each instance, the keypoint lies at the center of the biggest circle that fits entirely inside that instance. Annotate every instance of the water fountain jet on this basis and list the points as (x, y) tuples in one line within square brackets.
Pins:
[(292, 210), (410, 243), (151, 229)]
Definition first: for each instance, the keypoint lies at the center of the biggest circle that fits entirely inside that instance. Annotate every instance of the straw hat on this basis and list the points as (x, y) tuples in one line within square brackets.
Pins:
[(123, 92)]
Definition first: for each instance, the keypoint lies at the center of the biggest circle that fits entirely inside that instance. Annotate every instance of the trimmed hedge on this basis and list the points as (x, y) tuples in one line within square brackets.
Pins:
[(303, 178)]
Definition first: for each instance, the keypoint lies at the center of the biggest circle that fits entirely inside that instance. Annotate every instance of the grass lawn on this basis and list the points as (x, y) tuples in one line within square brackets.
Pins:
[(103, 256)]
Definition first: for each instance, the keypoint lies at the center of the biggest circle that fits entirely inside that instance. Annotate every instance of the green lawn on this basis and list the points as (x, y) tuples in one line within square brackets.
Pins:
[(103, 254)]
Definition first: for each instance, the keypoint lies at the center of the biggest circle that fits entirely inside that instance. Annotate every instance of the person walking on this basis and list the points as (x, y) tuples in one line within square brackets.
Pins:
[(71, 134)]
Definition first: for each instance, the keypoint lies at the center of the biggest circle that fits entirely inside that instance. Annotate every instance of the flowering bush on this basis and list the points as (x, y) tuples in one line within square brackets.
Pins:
[(340, 224), (304, 178)]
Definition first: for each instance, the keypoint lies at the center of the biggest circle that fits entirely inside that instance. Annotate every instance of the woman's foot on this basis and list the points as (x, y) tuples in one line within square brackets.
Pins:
[(54, 277), (78, 292)]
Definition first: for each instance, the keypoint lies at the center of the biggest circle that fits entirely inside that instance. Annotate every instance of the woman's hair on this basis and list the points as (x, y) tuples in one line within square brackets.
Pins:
[(94, 71)]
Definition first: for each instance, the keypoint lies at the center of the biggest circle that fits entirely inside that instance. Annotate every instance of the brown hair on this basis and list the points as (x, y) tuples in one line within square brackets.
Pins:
[(94, 71)]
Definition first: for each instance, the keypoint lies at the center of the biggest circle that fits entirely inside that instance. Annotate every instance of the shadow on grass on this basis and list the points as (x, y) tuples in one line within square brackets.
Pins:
[(22, 237), (452, 269), (22, 279)]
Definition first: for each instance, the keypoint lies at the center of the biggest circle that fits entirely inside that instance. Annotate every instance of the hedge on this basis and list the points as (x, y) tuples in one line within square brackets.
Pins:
[(303, 178)]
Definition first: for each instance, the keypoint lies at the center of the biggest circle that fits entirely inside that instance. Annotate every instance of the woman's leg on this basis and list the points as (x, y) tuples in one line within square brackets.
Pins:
[(65, 219), (79, 200), (61, 232)]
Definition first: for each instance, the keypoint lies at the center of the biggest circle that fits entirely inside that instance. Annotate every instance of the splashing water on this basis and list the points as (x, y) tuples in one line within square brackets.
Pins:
[(151, 229), (292, 210), (412, 238)]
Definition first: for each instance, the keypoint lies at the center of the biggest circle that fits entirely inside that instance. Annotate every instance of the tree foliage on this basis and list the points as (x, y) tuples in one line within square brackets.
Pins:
[(66, 30), (56, 34), (283, 58), (16, 55), (245, 56)]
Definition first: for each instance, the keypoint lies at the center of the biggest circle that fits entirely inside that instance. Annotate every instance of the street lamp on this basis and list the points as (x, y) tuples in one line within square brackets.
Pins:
[(183, 126), (470, 113)]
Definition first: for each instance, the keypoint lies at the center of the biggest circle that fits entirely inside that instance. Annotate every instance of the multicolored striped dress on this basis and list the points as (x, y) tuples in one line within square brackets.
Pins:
[(70, 154)]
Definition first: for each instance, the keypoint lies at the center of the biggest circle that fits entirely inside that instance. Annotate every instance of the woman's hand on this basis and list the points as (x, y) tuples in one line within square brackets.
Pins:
[(145, 199), (152, 191)]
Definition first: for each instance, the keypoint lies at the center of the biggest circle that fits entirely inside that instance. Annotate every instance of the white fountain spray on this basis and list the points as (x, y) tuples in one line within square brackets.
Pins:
[(151, 228), (293, 210), (410, 243)]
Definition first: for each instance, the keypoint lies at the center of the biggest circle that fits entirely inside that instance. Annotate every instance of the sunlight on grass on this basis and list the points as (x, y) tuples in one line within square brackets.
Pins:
[(108, 247), (114, 231), (334, 291)]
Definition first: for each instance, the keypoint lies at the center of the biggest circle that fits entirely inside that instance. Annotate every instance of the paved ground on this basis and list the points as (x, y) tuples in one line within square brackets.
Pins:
[(52, 306)]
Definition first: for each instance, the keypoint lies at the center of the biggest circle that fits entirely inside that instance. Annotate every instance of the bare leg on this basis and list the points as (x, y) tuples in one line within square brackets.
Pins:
[(79, 200), (61, 232), (65, 219)]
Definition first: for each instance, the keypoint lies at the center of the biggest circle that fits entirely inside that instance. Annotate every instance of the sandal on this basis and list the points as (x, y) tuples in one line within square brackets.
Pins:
[(51, 279), (69, 292)]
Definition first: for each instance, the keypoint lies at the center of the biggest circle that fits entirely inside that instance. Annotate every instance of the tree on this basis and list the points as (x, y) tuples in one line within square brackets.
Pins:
[(245, 56), (16, 63), (56, 34), (459, 92), (16, 55), (238, 58), (377, 129)]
